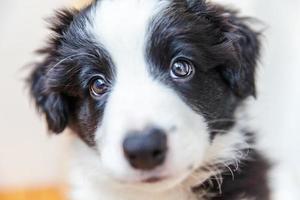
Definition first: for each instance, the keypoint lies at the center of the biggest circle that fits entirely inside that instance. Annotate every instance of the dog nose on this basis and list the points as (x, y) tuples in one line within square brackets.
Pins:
[(147, 149)]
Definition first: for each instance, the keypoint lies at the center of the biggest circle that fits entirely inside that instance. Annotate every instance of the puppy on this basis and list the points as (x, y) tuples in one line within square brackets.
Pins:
[(154, 90)]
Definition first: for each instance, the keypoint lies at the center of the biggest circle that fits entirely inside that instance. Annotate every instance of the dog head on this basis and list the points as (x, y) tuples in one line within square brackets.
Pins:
[(150, 85)]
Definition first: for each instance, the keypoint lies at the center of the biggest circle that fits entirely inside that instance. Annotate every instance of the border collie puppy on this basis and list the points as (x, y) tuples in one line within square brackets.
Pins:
[(153, 90)]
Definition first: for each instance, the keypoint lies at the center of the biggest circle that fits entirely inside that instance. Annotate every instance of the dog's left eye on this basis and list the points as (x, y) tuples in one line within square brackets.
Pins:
[(182, 69), (98, 86)]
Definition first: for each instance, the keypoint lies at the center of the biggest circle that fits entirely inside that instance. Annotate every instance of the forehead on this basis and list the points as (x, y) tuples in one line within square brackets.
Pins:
[(122, 26)]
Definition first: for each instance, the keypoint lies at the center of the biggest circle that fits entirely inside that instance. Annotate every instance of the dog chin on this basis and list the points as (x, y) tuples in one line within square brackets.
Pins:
[(157, 183)]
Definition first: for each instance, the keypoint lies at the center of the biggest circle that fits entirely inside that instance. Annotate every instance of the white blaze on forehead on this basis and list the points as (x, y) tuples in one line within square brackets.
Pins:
[(121, 26)]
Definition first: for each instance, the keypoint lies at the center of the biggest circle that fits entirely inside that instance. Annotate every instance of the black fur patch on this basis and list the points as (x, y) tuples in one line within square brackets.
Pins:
[(223, 49), (247, 182), (60, 84)]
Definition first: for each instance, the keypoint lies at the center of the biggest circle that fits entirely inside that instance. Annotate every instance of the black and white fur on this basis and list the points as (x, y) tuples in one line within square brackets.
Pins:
[(132, 44)]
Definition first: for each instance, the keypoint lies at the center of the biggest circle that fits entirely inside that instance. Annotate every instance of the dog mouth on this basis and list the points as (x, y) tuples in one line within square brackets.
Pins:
[(149, 180), (154, 179)]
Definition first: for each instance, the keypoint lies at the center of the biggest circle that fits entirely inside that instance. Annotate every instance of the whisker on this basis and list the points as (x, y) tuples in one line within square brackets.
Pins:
[(69, 57), (218, 178), (230, 170), (216, 175)]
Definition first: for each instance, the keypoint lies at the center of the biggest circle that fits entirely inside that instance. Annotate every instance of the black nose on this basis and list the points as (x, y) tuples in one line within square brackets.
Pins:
[(146, 150)]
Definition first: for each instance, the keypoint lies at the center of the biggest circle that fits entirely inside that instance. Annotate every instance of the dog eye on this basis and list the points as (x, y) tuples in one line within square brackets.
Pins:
[(182, 69), (98, 87)]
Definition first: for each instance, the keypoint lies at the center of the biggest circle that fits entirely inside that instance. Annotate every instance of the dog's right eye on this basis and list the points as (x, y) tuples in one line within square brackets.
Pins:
[(98, 86), (182, 69)]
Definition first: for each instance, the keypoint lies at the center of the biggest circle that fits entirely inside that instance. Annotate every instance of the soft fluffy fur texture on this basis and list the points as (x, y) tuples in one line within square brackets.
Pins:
[(132, 48)]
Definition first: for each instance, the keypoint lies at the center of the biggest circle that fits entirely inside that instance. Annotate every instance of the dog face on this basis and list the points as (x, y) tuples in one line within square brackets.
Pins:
[(151, 86)]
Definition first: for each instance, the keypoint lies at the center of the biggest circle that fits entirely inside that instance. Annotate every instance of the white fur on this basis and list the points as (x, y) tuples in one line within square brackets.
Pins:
[(89, 182), (135, 102)]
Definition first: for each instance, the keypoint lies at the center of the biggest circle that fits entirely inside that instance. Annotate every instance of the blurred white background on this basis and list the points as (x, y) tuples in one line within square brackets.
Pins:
[(29, 157)]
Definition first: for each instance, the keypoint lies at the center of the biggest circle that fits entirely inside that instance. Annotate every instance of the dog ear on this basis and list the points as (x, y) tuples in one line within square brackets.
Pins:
[(240, 72), (240, 45), (52, 103)]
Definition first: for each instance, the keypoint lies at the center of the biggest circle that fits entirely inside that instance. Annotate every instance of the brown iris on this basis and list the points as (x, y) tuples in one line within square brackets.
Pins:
[(182, 69), (98, 87)]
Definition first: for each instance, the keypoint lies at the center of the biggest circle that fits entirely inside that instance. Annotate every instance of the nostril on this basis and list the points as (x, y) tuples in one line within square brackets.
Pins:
[(146, 150), (158, 154), (132, 157)]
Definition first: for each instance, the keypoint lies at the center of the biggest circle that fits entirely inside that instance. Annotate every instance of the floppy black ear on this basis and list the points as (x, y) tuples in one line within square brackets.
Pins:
[(240, 43), (52, 103), (240, 73)]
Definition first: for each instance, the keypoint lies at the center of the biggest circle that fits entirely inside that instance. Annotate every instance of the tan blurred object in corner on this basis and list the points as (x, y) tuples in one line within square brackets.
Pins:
[(34, 194), (82, 3)]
